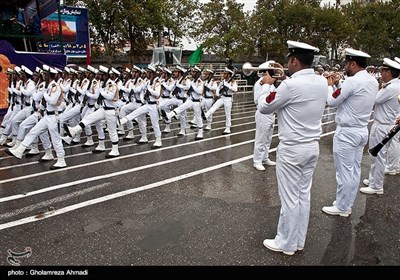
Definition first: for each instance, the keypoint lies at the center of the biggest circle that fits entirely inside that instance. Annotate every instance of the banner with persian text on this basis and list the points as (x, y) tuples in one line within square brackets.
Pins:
[(75, 32)]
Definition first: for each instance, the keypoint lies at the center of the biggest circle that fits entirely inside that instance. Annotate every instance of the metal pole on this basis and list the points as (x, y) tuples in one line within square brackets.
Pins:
[(60, 26)]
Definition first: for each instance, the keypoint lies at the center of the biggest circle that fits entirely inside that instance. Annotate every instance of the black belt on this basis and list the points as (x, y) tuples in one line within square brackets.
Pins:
[(227, 95), (164, 96), (108, 108), (152, 102), (16, 102), (90, 106), (27, 104), (195, 100), (181, 98), (50, 112), (208, 97), (138, 101)]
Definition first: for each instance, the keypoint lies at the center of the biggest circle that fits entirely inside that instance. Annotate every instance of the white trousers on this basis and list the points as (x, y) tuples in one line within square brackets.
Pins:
[(262, 142), (295, 167), (377, 169), (8, 126), (174, 102), (189, 103), (19, 118), (154, 117), (393, 153), (129, 108), (348, 147), (46, 124), (227, 103), (6, 118), (111, 119), (207, 104)]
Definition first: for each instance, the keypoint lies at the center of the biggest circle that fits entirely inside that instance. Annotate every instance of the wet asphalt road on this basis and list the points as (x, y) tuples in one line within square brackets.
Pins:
[(188, 203)]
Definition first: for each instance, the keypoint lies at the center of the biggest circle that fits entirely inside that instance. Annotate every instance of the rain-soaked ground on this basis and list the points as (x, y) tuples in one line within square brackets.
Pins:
[(190, 203)]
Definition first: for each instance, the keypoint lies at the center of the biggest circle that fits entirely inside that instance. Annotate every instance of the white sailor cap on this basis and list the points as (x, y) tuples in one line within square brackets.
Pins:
[(300, 48), (267, 65), (151, 68), (196, 69), (17, 69), (165, 69), (115, 71), (46, 67), (91, 69), (53, 71), (397, 59), (9, 71), (391, 64), (209, 71), (81, 69), (179, 68), (136, 68), (37, 70), (26, 70), (127, 70), (103, 69), (67, 69), (227, 70), (73, 71), (352, 54), (58, 70)]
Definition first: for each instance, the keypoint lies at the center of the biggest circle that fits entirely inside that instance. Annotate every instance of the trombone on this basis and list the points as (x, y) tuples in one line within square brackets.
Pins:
[(276, 68)]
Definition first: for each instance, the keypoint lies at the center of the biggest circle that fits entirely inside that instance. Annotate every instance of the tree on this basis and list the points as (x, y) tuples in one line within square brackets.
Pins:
[(223, 29)]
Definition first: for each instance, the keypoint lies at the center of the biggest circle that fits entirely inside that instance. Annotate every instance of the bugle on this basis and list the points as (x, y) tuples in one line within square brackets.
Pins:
[(278, 70)]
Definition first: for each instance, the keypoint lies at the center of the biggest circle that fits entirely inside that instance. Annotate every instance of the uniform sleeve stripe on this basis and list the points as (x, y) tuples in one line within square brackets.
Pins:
[(270, 97), (336, 93)]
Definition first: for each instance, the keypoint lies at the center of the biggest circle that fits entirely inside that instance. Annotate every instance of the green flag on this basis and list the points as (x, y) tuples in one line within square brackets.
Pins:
[(195, 57)]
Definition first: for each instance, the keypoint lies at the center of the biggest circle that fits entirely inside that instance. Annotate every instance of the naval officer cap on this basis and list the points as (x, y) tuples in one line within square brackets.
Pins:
[(196, 69), (151, 68), (115, 71), (91, 69), (397, 59), (356, 55), (227, 70), (179, 68), (209, 71), (300, 48), (136, 69), (166, 70), (388, 63), (103, 69), (26, 70)]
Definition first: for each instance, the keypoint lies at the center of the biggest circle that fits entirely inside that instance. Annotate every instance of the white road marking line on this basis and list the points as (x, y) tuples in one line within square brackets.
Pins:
[(127, 192)]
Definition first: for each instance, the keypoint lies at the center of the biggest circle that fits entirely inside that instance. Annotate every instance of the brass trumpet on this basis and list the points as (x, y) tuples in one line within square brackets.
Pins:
[(279, 71)]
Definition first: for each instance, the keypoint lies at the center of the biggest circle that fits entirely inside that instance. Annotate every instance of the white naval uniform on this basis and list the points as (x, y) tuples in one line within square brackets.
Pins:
[(27, 91), (106, 111), (92, 94), (354, 102), (225, 100), (134, 102), (299, 102), (150, 107), (7, 116), (164, 104), (264, 128), (16, 107), (385, 113), (208, 98), (33, 119), (393, 154), (178, 100), (48, 123), (193, 101)]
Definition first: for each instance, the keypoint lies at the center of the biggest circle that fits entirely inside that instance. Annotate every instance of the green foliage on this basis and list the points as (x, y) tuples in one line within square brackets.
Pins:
[(223, 28)]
